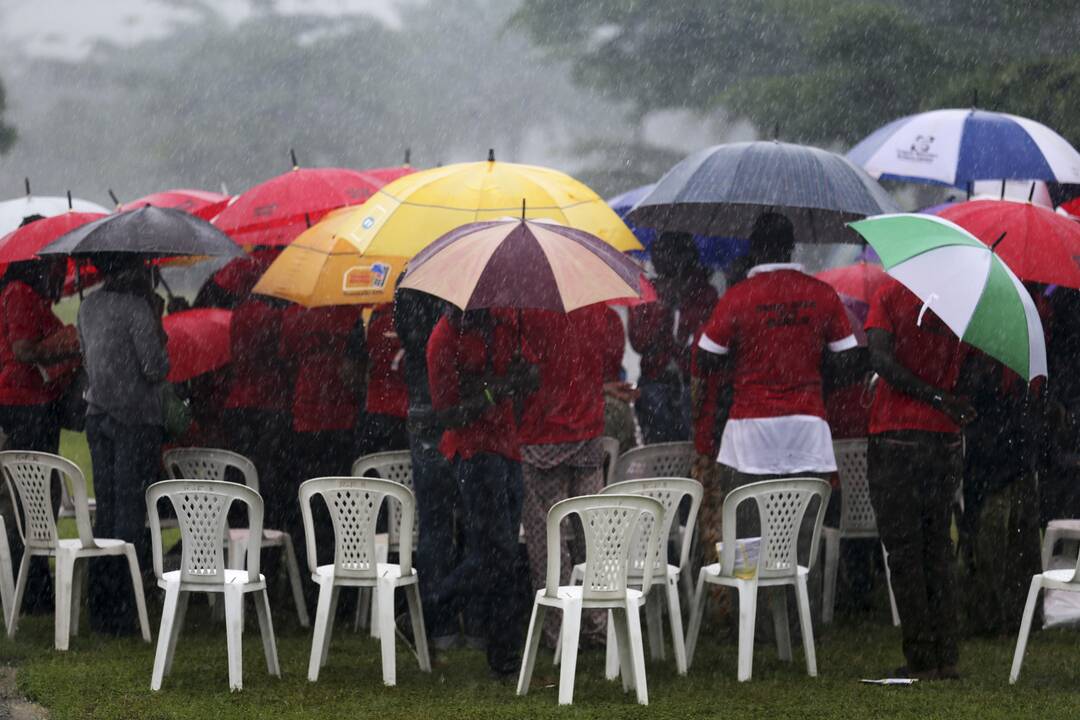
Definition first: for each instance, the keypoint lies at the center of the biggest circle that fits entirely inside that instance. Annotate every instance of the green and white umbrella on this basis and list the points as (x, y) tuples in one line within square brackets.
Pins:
[(965, 283)]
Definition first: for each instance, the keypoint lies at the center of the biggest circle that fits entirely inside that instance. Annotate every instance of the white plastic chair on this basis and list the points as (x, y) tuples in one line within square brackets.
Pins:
[(857, 521), (202, 509), (395, 465), (781, 505), (354, 505), (670, 492), (611, 457), (659, 460), (212, 464), (609, 522), (7, 580), (1065, 531), (29, 478)]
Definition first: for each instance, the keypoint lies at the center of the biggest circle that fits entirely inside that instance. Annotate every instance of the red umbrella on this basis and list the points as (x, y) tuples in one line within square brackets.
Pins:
[(1035, 242), (199, 203), (198, 342), (859, 281), (276, 211), (23, 243)]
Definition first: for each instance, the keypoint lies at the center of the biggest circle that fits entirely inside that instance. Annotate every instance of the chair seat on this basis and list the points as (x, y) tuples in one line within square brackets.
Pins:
[(270, 537), (105, 546), (571, 592), (1069, 525), (388, 570), (1060, 580), (712, 575), (232, 577)]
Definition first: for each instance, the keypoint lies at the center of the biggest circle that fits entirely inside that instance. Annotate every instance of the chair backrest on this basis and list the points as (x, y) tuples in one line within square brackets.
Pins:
[(609, 522), (395, 465), (669, 492), (781, 506), (354, 504), (202, 511), (208, 464), (857, 517), (29, 477), (672, 459), (610, 446)]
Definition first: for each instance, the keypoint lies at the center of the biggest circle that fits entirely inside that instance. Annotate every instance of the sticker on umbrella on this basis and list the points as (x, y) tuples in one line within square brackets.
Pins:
[(360, 279)]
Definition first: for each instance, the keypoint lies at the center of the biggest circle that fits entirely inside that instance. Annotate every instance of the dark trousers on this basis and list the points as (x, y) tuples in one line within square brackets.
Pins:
[(37, 428), (913, 479), (262, 437), (381, 433), (491, 496), (127, 459), (663, 411), (437, 554)]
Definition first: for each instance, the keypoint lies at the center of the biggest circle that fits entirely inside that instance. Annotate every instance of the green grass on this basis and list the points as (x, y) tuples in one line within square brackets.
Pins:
[(109, 678)]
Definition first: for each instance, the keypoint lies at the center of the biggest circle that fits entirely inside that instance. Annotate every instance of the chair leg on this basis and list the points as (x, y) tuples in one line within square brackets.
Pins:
[(384, 593), (78, 584), (65, 567), (621, 641), (697, 610), (137, 587), (293, 568), (20, 590), (234, 634), (747, 618), (177, 627), (571, 634), (416, 618), (888, 584), (674, 608), (832, 568), (7, 582), (806, 624), (532, 644), (1025, 627), (334, 595), (577, 576), (363, 609), (611, 650), (637, 653), (266, 629), (654, 623), (382, 554), (166, 635), (319, 634), (778, 606)]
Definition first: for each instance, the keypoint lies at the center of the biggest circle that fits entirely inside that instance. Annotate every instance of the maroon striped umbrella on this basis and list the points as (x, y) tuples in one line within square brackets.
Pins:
[(523, 264)]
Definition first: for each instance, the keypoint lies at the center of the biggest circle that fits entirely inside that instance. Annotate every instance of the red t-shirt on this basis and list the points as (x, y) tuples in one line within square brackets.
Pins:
[(260, 379), (931, 351), (848, 411), (569, 350), (663, 333), (453, 355), (317, 342), (614, 345), (24, 315), (386, 393), (778, 323)]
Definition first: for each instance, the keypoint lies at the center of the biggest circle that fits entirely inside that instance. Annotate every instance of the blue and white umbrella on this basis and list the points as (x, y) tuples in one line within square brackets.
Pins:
[(957, 147)]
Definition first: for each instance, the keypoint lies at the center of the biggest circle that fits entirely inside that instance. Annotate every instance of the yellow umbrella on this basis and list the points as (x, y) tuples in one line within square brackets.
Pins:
[(405, 216)]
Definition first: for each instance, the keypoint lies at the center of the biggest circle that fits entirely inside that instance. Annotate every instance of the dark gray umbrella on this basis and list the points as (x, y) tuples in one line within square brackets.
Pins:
[(146, 231), (722, 189)]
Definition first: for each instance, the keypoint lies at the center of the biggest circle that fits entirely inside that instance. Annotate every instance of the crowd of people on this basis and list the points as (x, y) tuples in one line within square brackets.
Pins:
[(502, 412)]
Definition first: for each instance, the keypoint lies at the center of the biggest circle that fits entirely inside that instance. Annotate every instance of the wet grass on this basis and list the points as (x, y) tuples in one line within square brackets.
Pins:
[(109, 678)]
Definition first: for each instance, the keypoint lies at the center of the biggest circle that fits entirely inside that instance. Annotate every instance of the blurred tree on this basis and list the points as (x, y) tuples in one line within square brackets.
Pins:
[(7, 132)]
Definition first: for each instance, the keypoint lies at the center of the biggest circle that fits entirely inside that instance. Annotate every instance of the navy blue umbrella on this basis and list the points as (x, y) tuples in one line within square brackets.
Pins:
[(721, 190), (713, 251), (154, 231)]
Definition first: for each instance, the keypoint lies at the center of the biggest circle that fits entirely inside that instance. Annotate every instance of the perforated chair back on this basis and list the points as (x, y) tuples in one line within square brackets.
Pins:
[(609, 522), (659, 460), (611, 458), (202, 510), (354, 505), (857, 517), (781, 506), (395, 466), (208, 464), (669, 492), (29, 477)]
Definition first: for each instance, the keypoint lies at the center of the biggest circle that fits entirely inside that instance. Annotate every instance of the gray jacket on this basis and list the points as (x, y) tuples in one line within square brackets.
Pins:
[(125, 358)]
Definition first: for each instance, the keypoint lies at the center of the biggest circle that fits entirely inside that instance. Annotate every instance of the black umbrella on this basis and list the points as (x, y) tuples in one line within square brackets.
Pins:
[(721, 190), (146, 231)]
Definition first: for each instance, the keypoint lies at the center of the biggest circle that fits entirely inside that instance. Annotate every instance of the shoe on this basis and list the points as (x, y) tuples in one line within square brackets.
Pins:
[(446, 642), (904, 672), (948, 672)]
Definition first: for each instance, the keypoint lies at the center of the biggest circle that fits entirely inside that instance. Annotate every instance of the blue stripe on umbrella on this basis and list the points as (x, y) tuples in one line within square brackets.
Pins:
[(995, 147)]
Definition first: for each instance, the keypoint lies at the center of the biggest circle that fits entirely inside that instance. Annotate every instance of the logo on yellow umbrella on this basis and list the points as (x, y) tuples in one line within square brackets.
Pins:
[(361, 279)]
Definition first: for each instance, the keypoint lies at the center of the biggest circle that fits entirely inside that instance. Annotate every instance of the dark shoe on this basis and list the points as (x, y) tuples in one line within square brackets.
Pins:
[(948, 672), (904, 672)]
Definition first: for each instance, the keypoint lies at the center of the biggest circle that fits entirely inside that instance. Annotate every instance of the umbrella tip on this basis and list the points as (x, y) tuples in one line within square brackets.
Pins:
[(70, 206), (1031, 192), (776, 132), (116, 200), (491, 154), (292, 156), (26, 182), (523, 209), (974, 98), (408, 157)]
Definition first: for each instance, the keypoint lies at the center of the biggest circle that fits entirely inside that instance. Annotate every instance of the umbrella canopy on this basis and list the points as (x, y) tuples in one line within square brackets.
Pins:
[(276, 211), (25, 242), (321, 269), (721, 190), (859, 281), (713, 251), (12, 212), (965, 283), (198, 342), (1037, 243), (146, 231), (199, 203), (955, 147), (523, 264)]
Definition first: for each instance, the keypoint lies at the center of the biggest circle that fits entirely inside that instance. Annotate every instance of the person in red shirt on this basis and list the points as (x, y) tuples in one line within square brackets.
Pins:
[(474, 377), (663, 332), (560, 435), (618, 394), (914, 468), (387, 402)]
